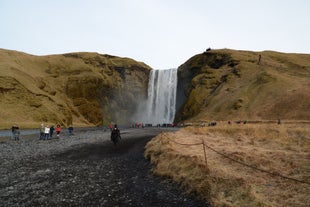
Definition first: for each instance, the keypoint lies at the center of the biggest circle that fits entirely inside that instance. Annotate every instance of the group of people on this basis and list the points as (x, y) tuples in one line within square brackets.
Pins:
[(47, 132), (137, 125)]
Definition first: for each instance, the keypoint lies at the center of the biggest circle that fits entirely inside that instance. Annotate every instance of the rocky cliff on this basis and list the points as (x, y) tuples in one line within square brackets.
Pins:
[(75, 88), (229, 84)]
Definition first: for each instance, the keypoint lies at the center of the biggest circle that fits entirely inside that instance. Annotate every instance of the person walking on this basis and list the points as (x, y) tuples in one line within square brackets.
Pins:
[(115, 135), (259, 59)]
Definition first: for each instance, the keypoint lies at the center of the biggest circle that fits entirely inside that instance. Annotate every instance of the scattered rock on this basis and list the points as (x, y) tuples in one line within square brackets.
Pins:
[(85, 170)]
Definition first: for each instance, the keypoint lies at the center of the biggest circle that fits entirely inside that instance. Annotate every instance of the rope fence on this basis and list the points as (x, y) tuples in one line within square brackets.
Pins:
[(204, 145), (200, 143)]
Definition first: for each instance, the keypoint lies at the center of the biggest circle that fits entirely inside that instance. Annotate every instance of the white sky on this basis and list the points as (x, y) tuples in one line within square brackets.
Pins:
[(161, 33)]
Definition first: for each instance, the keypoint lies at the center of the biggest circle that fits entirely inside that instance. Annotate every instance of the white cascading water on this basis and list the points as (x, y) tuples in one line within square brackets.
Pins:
[(161, 102)]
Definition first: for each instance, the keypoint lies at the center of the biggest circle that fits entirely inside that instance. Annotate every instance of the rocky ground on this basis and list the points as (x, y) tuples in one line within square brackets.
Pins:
[(84, 170)]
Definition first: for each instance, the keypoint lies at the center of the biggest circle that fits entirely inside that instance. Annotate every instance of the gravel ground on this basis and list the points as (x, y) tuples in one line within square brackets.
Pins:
[(84, 170)]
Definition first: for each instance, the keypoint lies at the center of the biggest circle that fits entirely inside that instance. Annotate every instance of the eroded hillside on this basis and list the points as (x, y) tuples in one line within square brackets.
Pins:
[(74, 88), (230, 84)]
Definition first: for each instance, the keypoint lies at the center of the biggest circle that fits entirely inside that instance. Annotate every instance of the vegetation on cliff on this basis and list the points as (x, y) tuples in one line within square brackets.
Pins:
[(230, 84), (75, 88)]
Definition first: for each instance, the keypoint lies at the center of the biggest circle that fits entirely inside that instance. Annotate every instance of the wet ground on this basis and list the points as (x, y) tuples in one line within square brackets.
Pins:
[(85, 170)]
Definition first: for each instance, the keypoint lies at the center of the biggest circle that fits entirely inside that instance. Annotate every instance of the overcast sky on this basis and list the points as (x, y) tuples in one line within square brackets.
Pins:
[(161, 33)]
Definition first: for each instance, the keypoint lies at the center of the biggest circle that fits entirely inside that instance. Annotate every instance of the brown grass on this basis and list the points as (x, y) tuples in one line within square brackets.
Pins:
[(282, 149), (229, 84), (42, 89)]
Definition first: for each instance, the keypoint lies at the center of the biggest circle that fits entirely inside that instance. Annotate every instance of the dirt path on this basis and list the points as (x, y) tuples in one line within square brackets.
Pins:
[(84, 170)]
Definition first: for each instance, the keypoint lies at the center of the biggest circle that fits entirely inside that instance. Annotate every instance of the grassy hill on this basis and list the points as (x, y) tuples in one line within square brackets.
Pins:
[(230, 84), (76, 88), (90, 88)]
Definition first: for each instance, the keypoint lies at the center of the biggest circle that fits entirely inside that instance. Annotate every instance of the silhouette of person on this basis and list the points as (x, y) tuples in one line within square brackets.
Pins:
[(115, 135), (259, 59)]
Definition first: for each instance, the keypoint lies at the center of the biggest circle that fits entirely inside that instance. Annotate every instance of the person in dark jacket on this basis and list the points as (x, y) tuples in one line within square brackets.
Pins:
[(52, 131), (16, 133), (115, 135), (70, 129), (13, 128)]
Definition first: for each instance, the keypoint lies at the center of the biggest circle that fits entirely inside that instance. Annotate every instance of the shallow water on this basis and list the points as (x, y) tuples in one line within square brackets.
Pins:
[(8, 133)]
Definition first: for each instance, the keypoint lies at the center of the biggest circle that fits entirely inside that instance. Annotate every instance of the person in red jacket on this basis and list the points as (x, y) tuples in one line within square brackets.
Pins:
[(58, 129)]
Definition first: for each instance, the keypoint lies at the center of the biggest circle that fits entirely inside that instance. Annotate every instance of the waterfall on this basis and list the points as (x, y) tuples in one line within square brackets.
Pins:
[(161, 101)]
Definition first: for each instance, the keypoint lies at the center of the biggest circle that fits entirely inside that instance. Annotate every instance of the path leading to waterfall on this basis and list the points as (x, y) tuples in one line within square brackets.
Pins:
[(85, 170)]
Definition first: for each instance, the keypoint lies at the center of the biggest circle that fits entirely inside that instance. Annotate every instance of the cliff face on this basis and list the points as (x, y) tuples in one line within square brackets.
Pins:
[(91, 88), (74, 88), (229, 84)]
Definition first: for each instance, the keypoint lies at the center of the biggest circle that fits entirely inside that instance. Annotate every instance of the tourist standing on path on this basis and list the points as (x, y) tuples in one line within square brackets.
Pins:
[(42, 132), (16, 133), (70, 129), (52, 131), (58, 129), (13, 128), (47, 133)]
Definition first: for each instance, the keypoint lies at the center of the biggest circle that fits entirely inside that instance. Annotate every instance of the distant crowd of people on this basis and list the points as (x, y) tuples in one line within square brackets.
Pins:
[(47, 132), (142, 125)]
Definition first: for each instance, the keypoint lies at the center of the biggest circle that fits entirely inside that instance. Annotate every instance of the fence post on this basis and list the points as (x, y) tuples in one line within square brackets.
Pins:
[(205, 154)]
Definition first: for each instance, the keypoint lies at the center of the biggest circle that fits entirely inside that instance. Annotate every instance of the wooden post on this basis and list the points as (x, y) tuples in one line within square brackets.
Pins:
[(205, 153)]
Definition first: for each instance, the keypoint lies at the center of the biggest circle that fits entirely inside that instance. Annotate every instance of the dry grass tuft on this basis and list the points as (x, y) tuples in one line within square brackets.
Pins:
[(280, 149)]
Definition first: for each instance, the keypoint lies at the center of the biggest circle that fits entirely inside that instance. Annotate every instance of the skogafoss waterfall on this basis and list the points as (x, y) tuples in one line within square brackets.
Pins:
[(161, 101)]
